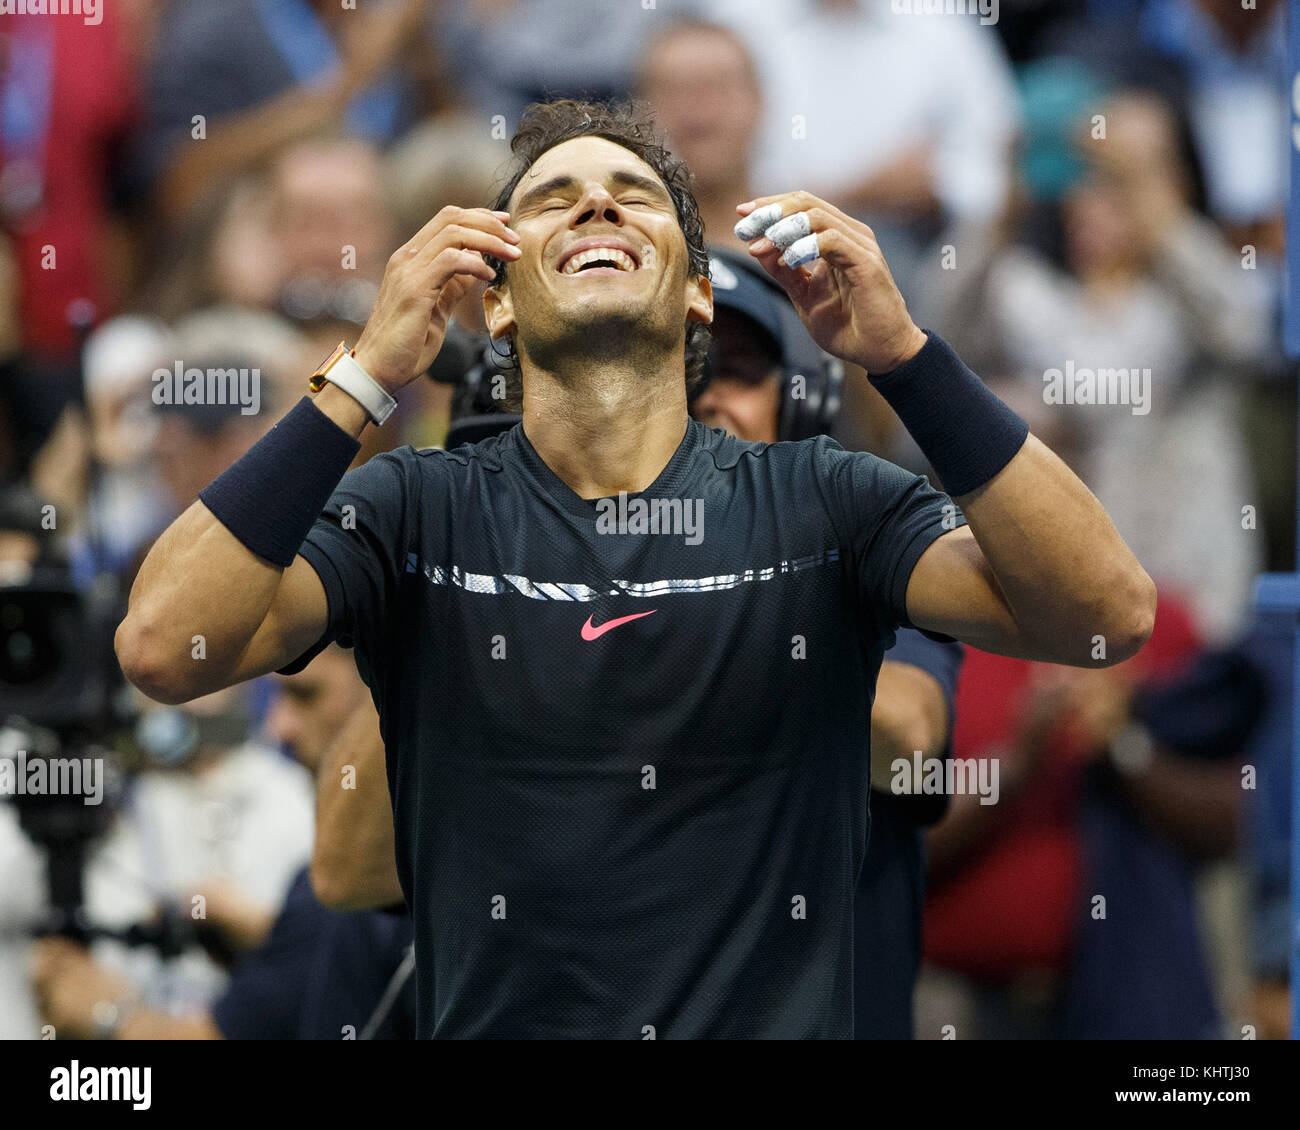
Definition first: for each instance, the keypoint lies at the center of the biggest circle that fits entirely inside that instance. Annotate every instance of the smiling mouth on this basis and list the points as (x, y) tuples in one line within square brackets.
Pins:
[(600, 260)]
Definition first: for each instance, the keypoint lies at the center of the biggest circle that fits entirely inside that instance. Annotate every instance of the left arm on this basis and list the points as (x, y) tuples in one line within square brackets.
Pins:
[(1040, 572), (353, 866), (910, 713)]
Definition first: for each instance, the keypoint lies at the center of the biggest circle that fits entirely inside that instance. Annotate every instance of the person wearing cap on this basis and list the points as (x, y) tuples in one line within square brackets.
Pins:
[(747, 395)]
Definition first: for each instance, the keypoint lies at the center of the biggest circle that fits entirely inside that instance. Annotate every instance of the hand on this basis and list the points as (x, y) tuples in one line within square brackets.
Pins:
[(68, 984), (423, 281), (244, 921), (371, 45), (846, 297)]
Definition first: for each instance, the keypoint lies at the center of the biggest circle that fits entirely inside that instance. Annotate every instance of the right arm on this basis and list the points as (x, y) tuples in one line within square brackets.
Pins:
[(200, 580)]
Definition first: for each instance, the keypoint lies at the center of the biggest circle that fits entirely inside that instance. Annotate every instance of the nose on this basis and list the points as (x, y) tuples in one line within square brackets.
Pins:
[(706, 403), (596, 203)]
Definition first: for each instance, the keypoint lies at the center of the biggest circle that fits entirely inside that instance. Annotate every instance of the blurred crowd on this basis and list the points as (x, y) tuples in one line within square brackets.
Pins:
[(1076, 186)]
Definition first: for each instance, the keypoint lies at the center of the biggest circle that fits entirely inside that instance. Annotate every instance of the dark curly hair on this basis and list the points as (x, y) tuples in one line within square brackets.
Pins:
[(545, 125)]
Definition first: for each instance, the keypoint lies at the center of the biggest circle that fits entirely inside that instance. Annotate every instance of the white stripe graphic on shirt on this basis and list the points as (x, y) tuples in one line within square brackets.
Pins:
[(556, 590)]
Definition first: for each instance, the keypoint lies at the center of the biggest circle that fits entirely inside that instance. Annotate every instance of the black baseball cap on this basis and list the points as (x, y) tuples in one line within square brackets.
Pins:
[(740, 284)]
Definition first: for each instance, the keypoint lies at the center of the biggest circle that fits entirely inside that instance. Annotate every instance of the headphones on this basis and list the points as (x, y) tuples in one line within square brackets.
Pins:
[(812, 381)]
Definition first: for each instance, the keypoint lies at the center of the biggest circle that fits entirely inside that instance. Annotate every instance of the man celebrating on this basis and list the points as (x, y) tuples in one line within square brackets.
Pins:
[(628, 769)]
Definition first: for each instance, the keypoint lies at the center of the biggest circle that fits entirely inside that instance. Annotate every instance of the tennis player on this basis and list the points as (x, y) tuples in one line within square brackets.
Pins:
[(624, 663)]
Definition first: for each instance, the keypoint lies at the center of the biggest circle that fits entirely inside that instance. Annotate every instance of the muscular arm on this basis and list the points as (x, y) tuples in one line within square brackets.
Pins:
[(200, 580), (1040, 573), (353, 866)]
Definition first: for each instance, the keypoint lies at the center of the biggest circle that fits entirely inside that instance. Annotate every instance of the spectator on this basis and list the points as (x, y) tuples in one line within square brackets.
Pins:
[(1148, 288), (195, 441), (1099, 795), (504, 54), (261, 74), (316, 974), (1234, 60), (700, 79), (836, 123), (214, 814), (69, 99)]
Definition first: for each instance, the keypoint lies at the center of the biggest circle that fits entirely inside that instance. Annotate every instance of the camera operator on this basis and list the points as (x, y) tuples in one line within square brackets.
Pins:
[(22, 879), (316, 975), (201, 856)]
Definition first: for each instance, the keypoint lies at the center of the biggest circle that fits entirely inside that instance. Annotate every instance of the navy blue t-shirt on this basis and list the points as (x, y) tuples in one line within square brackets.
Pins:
[(320, 975), (629, 770)]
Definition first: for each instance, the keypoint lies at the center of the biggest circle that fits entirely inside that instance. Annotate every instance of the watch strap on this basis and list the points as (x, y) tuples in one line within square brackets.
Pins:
[(342, 369)]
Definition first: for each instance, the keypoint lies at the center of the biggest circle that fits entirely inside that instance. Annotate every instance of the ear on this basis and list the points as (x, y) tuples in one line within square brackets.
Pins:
[(699, 299), (498, 311)]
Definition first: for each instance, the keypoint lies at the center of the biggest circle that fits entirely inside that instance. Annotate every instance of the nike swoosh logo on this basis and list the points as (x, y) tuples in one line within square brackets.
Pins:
[(590, 632)]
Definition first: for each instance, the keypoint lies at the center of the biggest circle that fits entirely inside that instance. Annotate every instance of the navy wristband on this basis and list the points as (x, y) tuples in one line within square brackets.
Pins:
[(270, 497), (961, 427)]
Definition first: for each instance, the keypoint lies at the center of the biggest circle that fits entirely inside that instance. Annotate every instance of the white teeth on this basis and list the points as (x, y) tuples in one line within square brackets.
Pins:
[(621, 259)]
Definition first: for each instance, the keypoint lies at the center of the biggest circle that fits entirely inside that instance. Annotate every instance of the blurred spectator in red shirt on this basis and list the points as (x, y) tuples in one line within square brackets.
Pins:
[(1011, 882), (68, 100)]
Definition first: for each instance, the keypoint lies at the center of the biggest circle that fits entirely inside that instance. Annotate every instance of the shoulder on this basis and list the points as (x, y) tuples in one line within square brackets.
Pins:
[(814, 468), (188, 31), (727, 453), (489, 454)]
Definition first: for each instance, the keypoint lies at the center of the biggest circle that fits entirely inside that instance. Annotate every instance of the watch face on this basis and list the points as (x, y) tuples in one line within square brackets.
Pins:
[(331, 360)]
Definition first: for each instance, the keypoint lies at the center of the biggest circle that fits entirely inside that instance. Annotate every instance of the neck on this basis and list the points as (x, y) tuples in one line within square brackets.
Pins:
[(609, 427)]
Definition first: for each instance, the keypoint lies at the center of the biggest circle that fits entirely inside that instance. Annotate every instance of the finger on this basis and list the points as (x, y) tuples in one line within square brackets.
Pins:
[(832, 245), (796, 228), (758, 221), (795, 282), (764, 211), (483, 219), (453, 290), (458, 261), (776, 262), (467, 238), (785, 232)]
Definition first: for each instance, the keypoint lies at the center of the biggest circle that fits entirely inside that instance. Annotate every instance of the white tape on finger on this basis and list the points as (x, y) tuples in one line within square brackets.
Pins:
[(790, 230), (801, 251), (753, 225)]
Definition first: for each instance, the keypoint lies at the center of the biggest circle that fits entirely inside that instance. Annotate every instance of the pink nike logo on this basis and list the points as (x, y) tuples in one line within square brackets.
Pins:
[(590, 632)]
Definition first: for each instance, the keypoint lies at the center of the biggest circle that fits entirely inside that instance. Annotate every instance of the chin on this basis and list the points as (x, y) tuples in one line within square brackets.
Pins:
[(620, 316)]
